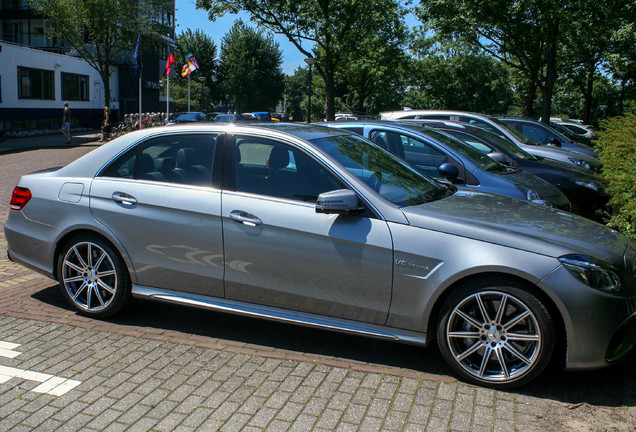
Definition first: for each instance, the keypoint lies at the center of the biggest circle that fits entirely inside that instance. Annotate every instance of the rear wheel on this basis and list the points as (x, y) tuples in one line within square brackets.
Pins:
[(93, 277), (495, 334)]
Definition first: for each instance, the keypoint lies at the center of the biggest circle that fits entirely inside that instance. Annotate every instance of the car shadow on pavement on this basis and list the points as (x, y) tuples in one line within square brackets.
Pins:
[(611, 387), (269, 334)]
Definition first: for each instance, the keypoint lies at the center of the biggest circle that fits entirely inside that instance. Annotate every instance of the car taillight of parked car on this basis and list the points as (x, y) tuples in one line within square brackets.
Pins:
[(20, 198)]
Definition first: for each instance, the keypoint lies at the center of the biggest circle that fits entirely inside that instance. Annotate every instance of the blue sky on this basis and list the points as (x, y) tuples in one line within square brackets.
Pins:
[(188, 16)]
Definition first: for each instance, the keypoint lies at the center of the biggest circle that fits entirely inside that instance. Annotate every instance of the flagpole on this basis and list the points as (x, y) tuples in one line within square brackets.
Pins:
[(140, 100), (188, 92), (168, 96)]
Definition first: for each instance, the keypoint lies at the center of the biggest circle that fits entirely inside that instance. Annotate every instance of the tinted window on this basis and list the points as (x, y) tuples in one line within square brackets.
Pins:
[(267, 167), (536, 133), (391, 178), (419, 153), (184, 159)]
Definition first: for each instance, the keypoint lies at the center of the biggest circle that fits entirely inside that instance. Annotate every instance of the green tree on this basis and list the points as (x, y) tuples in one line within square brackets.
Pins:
[(99, 30), (455, 76), (528, 35), (251, 77), (372, 75), (326, 29)]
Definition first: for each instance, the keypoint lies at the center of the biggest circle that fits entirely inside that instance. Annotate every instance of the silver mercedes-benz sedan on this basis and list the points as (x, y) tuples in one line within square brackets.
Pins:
[(320, 227)]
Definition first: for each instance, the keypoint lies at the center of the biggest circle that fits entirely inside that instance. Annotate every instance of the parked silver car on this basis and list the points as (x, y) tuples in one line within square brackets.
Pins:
[(498, 127), (320, 227)]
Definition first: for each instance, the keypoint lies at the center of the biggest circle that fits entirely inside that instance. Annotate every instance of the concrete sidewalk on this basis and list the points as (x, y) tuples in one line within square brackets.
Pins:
[(16, 145)]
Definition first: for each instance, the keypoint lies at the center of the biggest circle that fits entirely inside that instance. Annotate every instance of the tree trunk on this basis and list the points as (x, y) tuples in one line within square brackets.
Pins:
[(587, 94), (105, 75), (547, 89), (531, 94), (330, 90)]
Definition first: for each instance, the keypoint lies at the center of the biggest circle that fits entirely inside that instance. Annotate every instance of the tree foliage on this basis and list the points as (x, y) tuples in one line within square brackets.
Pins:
[(250, 73), (542, 39), (447, 75), (617, 151), (326, 29), (99, 30)]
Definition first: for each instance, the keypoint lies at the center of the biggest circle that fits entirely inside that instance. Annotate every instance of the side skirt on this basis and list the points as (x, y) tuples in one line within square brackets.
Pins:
[(280, 315)]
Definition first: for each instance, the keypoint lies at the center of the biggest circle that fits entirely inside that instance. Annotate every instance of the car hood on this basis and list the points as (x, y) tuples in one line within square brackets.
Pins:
[(552, 152), (531, 181), (573, 171), (518, 224)]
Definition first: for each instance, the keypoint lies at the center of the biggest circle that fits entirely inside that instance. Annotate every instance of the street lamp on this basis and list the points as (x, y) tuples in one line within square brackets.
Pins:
[(428, 88), (310, 61), (202, 81)]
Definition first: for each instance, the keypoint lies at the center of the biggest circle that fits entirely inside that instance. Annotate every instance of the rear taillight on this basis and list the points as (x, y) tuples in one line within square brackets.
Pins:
[(20, 198)]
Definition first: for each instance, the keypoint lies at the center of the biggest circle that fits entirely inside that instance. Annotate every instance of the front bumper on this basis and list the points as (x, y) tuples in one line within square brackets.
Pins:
[(599, 327)]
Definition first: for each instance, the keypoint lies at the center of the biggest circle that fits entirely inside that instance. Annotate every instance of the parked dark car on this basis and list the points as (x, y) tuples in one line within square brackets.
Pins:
[(585, 189), (544, 134), (188, 117), (443, 157)]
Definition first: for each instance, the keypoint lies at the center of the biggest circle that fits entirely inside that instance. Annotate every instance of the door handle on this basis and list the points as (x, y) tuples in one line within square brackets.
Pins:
[(124, 199), (245, 218)]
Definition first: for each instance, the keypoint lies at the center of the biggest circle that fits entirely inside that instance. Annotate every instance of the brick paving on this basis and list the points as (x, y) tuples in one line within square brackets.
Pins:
[(167, 368)]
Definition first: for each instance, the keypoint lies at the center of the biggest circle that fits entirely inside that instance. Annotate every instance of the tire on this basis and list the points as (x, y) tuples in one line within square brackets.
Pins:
[(93, 277), (495, 334)]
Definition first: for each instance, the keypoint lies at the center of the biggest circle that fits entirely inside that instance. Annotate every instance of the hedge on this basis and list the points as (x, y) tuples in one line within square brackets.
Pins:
[(617, 151)]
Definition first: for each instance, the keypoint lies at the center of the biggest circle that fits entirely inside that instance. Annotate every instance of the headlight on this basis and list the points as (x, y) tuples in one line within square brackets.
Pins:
[(533, 196), (588, 184), (595, 274), (580, 163)]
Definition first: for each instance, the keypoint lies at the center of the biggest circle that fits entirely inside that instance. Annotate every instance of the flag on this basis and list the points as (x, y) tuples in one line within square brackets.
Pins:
[(171, 60), (190, 66), (138, 58)]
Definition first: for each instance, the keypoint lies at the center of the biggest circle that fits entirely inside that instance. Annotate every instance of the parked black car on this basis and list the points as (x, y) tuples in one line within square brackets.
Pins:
[(541, 133), (584, 189), (443, 157)]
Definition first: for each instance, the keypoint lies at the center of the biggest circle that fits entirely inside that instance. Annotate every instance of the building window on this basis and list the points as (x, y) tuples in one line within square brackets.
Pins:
[(35, 83), (12, 32), (74, 87)]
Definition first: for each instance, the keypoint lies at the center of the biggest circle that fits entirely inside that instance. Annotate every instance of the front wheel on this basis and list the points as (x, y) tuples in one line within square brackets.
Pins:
[(496, 335), (93, 277)]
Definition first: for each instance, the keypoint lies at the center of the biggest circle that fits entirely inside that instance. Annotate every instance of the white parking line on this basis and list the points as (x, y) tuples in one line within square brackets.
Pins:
[(7, 349), (53, 385)]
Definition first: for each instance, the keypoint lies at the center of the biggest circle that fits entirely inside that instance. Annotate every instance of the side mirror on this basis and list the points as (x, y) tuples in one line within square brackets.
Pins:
[(556, 142), (341, 201), (448, 171), (499, 157)]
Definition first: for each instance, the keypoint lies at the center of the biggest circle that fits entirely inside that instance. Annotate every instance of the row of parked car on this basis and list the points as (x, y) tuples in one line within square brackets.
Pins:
[(320, 227), (511, 156)]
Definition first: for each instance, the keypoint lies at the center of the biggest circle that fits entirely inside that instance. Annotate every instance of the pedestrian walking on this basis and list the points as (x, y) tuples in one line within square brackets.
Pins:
[(66, 122), (106, 125)]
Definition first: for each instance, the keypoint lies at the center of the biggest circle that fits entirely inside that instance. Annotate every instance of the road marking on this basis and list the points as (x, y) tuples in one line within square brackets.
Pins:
[(50, 384), (7, 349)]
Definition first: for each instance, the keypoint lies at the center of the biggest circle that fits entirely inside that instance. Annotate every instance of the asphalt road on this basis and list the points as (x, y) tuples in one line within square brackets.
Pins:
[(160, 367)]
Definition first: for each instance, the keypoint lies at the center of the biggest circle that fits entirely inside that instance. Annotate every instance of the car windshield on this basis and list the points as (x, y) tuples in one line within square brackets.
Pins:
[(518, 135), (470, 152), (392, 178), (501, 144)]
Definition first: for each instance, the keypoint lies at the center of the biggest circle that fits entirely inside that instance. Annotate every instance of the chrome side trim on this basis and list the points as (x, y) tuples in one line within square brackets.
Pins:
[(280, 315)]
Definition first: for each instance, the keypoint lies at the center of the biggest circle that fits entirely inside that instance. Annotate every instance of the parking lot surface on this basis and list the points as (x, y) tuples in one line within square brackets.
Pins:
[(168, 368)]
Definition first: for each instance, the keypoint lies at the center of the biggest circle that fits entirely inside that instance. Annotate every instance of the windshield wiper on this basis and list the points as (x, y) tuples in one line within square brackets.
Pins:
[(443, 192)]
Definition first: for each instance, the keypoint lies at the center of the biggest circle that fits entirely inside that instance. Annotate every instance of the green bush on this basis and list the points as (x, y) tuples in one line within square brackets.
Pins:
[(617, 151)]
